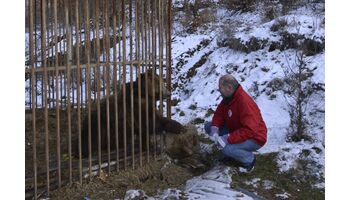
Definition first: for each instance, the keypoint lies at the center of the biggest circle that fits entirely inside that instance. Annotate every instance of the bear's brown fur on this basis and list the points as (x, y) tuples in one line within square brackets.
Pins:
[(161, 123)]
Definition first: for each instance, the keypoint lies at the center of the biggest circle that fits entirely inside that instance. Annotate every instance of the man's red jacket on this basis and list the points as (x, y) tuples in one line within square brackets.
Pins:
[(242, 118)]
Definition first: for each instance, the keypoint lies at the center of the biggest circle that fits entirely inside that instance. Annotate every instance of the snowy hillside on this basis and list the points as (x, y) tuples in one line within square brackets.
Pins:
[(256, 50)]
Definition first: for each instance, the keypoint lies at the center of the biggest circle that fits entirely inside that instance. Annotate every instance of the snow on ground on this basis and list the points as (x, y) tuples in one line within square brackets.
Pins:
[(255, 68), (214, 184)]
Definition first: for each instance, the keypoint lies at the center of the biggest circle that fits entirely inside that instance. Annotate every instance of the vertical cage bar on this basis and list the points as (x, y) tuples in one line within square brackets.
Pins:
[(168, 66), (53, 64), (120, 44), (35, 52), (77, 49), (98, 68), (124, 79), (88, 82), (57, 99), (48, 64), (160, 55), (143, 38), (96, 38), (131, 88), (119, 81), (68, 70), (115, 87), (107, 75), (73, 51), (154, 49), (33, 93), (143, 43), (44, 86), (64, 54), (148, 63), (138, 69)]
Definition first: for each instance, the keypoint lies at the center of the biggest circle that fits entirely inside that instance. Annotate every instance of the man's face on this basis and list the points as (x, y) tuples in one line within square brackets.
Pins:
[(225, 91)]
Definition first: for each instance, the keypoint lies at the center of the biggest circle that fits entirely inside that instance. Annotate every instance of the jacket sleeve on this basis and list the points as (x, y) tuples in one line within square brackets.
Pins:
[(248, 125), (218, 118)]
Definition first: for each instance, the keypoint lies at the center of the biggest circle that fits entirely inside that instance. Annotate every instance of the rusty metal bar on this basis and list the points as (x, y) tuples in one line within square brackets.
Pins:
[(44, 86), (119, 82), (52, 55), (64, 53), (144, 49), (115, 12), (143, 59), (96, 37), (35, 52), (77, 49), (61, 35), (106, 77), (33, 88), (42, 5), (71, 19), (103, 46), (131, 88), (88, 82), (124, 79), (160, 40), (81, 20), (168, 70), (68, 70), (57, 94), (120, 45), (154, 49), (97, 4), (48, 64), (148, 61), (74, 67), (139, 77)]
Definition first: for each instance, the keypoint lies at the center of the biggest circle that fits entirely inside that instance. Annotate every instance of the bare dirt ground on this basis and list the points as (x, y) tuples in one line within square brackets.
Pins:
[(160, 173), (156, 176)]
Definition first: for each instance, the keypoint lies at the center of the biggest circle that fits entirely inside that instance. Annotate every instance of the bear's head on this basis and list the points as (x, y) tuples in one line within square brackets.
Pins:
[(154, 83)]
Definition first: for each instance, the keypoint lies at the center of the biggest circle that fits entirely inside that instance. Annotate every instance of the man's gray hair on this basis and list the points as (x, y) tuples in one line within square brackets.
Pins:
[(227, 80)]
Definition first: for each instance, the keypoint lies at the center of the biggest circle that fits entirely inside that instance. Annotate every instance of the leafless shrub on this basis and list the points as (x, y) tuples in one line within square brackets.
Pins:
[(299, 90), (238, 5), (197, 14), (279, 25)]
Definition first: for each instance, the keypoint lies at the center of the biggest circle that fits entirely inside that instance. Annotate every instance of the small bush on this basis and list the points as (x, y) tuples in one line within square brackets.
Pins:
[(209, 112), (182, 114), (270, 13), (193, 107), (234, 43), (175, 101), (238, 5), (275, 84), (197, 14), (278, 25)]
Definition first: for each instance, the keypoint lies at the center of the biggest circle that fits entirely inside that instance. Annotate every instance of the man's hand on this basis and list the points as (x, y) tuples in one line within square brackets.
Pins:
[(214, 134), (214, 130)]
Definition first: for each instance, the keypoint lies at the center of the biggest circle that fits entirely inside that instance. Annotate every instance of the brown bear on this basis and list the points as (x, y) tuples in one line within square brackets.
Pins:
[(161, 123)]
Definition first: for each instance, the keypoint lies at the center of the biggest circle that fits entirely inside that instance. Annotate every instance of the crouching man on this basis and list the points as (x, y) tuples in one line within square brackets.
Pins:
[(237, 126)]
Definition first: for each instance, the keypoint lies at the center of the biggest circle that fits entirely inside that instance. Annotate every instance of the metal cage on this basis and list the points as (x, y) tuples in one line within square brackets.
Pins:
[(81, 57)]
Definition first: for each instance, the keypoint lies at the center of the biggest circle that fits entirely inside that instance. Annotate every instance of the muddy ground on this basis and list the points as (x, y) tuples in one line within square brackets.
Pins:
[(156, 174), (154, 177)]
